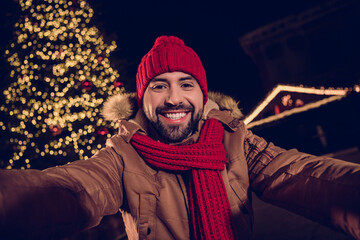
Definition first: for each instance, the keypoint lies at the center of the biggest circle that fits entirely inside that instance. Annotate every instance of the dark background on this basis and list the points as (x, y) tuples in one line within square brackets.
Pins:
[(211, 28)]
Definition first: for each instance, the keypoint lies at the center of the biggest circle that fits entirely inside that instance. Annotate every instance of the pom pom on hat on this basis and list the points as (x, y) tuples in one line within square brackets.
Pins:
[(168, 39), (169, 54)]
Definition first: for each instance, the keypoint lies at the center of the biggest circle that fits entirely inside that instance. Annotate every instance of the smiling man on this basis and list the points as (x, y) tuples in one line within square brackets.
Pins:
[(172, 88), (182, 166)]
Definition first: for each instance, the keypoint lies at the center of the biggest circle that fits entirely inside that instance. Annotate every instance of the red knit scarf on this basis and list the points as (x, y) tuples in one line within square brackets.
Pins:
[(209, 205)]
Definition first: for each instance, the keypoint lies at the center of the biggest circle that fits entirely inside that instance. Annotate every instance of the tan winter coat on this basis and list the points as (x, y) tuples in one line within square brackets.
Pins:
[(154, 202)]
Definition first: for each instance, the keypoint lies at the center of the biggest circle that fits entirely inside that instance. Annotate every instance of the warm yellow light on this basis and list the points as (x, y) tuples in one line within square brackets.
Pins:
[(44, 35), (279, 88)]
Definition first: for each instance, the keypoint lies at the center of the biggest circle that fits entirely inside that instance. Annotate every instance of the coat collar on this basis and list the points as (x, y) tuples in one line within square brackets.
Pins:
[(123, 109)]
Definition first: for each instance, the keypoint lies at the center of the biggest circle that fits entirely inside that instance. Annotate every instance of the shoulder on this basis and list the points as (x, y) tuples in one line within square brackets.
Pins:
[(226, 103), (224, 109)]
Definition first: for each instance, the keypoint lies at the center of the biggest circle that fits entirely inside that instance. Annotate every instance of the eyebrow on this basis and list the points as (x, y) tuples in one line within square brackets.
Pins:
[(165, 80), (187, 78)]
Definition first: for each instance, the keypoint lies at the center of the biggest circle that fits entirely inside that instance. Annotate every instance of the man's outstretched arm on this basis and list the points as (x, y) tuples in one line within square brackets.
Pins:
[(323, 189), (59, 201)]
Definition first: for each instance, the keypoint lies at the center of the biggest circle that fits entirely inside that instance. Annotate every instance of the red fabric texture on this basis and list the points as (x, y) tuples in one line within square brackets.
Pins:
[(169, 54), (210, 211)]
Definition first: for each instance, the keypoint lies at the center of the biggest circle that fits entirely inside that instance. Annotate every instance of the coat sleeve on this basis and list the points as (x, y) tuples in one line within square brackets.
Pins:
[(61, 200), (323, 189)]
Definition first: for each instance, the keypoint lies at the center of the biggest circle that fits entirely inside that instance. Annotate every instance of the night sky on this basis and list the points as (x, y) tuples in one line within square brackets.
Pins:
[(211, 28)]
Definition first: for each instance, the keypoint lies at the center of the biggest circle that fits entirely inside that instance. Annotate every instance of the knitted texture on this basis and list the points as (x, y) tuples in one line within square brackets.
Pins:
[(210, 213), (169, 54)]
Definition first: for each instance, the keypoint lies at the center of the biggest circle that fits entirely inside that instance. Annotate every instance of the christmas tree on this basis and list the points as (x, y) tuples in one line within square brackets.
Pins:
[(60, 77)]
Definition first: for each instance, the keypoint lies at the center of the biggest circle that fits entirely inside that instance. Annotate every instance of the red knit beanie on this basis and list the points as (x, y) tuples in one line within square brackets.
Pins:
[(169, 54)]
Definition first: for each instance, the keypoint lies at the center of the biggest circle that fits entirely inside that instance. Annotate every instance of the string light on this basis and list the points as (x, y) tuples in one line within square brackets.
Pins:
[(329, 94), (52, 115)]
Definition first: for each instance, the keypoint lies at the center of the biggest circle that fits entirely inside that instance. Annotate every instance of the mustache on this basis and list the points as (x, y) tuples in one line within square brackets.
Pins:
[(165, 108)]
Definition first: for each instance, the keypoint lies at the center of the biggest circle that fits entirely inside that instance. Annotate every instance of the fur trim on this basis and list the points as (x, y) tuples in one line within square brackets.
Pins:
[(226, 103), (124, 106), (120, 106), (130, 225)]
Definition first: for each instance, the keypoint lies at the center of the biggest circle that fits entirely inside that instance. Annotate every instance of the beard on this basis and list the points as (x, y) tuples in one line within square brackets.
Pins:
[(176, 133)]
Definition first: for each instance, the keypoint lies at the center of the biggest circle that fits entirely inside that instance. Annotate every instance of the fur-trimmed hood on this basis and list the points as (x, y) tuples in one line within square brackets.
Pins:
[(124, 106)]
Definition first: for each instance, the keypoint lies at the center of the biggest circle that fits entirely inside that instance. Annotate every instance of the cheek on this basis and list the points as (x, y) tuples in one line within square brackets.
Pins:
[(197, 101), (199, 106), (150, 103)]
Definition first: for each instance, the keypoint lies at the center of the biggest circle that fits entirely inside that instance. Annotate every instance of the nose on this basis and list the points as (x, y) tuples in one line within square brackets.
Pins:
[(174, 96)]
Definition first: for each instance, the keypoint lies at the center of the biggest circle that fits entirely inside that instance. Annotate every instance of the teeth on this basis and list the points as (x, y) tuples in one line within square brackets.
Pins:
[(175, 116)]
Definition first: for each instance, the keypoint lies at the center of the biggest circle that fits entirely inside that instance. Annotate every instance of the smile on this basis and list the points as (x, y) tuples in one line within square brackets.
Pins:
[(175, 116)]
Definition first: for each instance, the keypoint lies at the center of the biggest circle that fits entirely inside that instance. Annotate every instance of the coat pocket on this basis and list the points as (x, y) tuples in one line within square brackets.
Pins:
[(147, 208)]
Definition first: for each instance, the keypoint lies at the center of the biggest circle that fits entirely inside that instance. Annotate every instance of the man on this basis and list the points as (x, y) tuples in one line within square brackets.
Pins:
[(181, 167)]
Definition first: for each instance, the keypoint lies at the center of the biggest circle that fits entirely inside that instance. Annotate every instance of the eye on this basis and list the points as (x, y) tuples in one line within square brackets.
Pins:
[(158, 87), (187, 86)]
